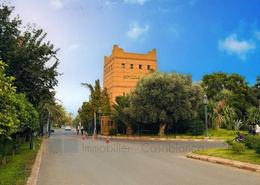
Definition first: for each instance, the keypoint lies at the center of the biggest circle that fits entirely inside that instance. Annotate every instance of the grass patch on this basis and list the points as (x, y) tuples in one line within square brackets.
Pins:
[(222, 134), (18, 168), (249, 156), (213, 134)]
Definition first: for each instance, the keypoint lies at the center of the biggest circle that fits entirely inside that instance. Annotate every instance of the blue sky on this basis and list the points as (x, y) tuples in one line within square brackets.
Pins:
[(191, 36)]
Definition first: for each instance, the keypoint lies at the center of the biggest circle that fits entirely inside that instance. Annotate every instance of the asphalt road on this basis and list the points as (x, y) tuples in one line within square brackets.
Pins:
[(70, 160)]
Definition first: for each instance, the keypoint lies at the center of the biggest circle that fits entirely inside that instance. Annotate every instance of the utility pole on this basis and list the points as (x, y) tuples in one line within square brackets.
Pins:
[(49, 125), (205, 101), (95, 125)]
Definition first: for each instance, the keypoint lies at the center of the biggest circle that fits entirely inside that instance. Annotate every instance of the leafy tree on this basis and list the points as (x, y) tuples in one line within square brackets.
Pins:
[(240, 95), (253, 115), (9, 121), (165, 99), (95, 95), (51, 112), (76, 120), (229, 117), (17, 115), (256, 89), (105, 104), (99, 101), (28, 56), (86, 115), (28, 117), (121, 113), (27, 114)]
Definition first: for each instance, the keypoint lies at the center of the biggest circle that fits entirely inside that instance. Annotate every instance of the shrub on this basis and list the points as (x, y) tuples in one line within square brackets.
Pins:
[(257, 150), (112, 131), (197, 127), (236, 147), (251, 141)]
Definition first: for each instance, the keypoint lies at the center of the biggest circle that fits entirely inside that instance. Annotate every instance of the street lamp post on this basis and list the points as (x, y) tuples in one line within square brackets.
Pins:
[(95, 125), (99, 116), (95, 122), (205, 102)]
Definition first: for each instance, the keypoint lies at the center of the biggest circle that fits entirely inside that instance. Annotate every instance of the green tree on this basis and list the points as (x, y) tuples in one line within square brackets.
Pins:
[(121, 113), (98, 103), (253, 115), (28, 57), (50, 113), (95, 95), (256, 89), (241, 96), (165, 99), (105, 103), (86, 115), (17, 115), (9, 121), (28, 117), (229, 117)]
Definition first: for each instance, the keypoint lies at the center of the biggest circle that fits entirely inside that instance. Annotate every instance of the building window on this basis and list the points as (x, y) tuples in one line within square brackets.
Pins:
[(131, 66), (140, 66), (123, 65), (148, 67)]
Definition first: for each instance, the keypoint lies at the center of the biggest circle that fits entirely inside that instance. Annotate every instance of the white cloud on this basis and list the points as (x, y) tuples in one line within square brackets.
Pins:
[(134, 2), (234, 46), (136, 31), (57, 4), (138, 2)]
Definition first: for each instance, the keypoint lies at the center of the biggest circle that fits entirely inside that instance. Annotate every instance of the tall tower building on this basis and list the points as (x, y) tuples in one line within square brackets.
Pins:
[(122, 70)]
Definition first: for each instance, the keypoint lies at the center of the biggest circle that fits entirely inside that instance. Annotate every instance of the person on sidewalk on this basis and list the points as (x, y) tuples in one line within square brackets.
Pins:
[(81, 129), (78, 128), (257, 129)]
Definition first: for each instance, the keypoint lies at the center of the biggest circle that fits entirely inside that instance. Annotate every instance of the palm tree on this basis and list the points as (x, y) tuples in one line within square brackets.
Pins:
[(95, 101), (53, 111), (121, 114)]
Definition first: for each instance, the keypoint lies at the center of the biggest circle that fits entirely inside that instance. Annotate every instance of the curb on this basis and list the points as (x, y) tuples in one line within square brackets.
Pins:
[(143, 138), (227, 162), (33, 178)]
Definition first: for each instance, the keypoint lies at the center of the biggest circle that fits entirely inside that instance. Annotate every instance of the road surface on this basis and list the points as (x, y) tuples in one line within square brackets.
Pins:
[(70, 160)]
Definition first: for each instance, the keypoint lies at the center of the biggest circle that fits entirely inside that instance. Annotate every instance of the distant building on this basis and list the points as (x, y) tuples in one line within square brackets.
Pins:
[(122, 70)]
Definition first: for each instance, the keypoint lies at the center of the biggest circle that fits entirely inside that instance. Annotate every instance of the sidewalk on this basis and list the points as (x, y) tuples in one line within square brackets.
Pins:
[(227, 162), (32, 180)]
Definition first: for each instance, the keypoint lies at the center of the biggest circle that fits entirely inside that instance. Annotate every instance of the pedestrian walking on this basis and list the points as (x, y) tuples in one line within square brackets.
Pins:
[(78, 129), (257, 129), (81, 129)]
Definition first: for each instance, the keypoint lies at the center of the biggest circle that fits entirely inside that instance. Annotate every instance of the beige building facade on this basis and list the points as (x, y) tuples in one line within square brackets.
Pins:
[(122, 70)]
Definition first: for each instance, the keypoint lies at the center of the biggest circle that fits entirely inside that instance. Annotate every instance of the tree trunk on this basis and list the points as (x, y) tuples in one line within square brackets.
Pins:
[(4, 152), (129, 129), (3, 162), (31, 141), (162, 129)]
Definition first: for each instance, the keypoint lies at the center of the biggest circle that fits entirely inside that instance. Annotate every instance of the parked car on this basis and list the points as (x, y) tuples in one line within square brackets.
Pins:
[(68, 128)]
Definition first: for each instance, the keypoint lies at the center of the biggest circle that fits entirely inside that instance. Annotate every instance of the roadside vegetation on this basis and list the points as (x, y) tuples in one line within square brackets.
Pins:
[(248, 156), (28, 106), (18, 168), (171, 105)]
